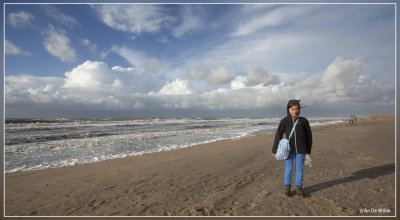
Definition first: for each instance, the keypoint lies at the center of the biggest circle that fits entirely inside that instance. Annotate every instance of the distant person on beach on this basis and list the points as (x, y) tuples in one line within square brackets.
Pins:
[(300, 142), (353, 119)]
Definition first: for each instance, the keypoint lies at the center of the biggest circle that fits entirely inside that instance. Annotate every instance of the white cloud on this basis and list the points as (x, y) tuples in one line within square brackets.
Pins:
[(285, 38), (341, 75), (94, 86), (257, 78), (57, 44), (139, 59), (200, 73), (257, 75), (221, 75), (189, 21), (89, 75), (133, 18), (64, 19), (92, 47), (103, 54), (218, 99), (123, 69), (300, 42), (239, 82), (91, 86), (177, 87), (85, 42), (14, 50), (254, 8), (342, 84), (152, 66), (99, 77), (27, 88), (20, 19), (275, 17), (345, 81), (134, 57), (274, 50)]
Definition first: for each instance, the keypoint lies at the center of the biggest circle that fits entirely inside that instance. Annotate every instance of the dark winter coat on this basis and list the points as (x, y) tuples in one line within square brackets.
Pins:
[(301, 140)]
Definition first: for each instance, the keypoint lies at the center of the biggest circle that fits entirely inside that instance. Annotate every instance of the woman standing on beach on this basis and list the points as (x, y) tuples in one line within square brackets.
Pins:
[(300, 142)]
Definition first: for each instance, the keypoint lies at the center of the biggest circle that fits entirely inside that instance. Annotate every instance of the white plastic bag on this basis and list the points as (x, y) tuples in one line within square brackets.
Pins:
[(308, 160)]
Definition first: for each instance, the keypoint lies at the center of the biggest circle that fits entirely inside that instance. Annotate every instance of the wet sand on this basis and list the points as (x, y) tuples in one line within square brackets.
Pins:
[(353, 174)]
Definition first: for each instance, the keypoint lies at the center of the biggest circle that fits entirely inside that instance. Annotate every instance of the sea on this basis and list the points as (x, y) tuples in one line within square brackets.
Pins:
[(34, 144)]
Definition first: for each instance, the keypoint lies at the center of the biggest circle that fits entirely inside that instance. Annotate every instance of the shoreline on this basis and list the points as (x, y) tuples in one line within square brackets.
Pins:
[(231, 177), (65, 138)]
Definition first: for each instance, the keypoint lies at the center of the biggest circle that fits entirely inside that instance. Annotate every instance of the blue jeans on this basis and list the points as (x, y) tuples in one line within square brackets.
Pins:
[(299, 169)]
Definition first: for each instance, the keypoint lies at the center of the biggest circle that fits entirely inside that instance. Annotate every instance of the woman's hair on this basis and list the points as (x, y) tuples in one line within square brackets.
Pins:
[(292, 103)]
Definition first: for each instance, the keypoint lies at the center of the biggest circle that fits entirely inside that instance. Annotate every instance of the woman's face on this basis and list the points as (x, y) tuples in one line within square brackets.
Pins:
[(294, 111)]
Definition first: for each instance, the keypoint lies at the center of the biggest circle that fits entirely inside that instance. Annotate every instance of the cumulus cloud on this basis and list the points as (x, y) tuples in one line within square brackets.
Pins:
[(199, 73), (177, 87), (244, 98), (20, 19), (57, 44), (221, 75), (95, 86), (343, 83), (342, 75), (27, 88), (239, 82), (173, 95), (11, 49), (90, 75), (99, 77), (133, 18), (257, 75), (91, 86), (344, 80)]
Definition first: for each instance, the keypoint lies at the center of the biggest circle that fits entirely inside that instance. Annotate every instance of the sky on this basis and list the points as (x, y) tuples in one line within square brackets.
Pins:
[(198, 60)]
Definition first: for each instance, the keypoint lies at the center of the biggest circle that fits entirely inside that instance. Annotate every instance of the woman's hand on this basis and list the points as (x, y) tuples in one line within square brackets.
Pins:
[(273, 155)]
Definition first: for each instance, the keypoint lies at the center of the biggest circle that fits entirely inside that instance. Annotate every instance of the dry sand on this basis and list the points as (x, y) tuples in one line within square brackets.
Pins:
[(379, 117), (353, 169)]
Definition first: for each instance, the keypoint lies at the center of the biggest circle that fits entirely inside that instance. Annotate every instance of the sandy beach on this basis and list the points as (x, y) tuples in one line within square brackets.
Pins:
[(353, 174)]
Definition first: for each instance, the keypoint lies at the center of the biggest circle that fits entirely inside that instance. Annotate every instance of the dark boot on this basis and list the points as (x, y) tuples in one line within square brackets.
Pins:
[(299, 191), (287, 191)]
